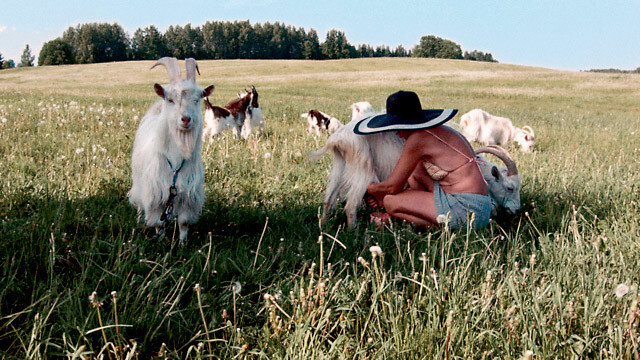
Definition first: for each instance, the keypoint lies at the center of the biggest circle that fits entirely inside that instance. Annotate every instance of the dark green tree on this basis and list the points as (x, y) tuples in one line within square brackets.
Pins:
[(26, 59), (434, 47), (184, 42), (311, 46), (336, 46), (1, 61), (55, 52), (400, 51), (97, 42), (476, 55), (148, 44), (8, 64)]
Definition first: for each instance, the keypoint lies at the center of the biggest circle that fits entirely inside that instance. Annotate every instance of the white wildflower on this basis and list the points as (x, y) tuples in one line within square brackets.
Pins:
[(441, 219), (621, 291), (79, 150), (375, 251), (236, 287), (267, 155)]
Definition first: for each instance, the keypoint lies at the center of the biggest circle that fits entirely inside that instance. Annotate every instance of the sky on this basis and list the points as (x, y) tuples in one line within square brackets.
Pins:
[(558, 34)]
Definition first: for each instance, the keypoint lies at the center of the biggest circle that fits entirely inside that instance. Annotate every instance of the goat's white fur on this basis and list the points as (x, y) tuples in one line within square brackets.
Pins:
[(480, 126), (359, 109), (163, 141), (504, 189)]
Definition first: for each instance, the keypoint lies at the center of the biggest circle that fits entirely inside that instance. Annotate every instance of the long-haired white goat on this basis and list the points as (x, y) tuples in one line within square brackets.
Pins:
[(359, 160), (478, 125), (166, 167)]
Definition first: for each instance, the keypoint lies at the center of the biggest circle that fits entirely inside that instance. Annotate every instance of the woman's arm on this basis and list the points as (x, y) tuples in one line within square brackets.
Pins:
[(412, 154)]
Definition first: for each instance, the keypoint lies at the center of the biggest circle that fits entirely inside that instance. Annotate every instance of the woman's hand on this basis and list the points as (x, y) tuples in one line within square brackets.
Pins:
[(374, 195), (372, 201)]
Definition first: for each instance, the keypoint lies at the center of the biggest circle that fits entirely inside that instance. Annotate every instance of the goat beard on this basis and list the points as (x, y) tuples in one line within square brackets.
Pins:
[(188, 141)]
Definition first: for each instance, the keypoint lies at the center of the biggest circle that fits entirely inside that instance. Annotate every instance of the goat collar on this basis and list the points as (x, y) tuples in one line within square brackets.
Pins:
[(168, 207)]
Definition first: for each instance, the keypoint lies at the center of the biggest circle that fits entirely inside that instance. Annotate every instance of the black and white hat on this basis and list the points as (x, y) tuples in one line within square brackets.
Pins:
[(404, 112)]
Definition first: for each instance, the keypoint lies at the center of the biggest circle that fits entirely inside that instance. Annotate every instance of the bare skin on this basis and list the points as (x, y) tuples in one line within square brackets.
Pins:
[(408, 192)]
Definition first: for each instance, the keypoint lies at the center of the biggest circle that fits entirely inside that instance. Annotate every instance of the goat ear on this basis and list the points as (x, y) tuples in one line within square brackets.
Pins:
[(495, 172), (208, 90), (528, 137), (159, 90)]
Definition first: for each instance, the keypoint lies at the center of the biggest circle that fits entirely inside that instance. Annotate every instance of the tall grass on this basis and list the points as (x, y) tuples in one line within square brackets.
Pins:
[(260, 279)]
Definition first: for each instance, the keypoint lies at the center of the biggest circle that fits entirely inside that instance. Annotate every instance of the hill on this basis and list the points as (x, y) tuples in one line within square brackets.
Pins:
[(271, 283)]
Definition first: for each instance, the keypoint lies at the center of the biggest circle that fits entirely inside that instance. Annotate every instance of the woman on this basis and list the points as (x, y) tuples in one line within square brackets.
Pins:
[(436, 178)]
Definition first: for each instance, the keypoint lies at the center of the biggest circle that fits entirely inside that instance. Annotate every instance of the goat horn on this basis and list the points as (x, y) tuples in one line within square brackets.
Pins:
[(172, 66), (530, 130), (502, 155), (192, 68), (500, 148)]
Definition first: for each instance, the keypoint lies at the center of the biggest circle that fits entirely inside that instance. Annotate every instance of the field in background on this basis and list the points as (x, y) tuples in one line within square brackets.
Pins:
[(259, 278)]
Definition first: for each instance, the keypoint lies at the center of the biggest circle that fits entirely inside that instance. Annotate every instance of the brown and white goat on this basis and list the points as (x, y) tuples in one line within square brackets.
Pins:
[(317, 120), (231, 116), (480, 126), (254, 121)]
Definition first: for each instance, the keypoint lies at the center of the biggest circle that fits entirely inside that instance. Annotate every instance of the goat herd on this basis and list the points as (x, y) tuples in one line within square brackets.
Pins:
[(168, 175)]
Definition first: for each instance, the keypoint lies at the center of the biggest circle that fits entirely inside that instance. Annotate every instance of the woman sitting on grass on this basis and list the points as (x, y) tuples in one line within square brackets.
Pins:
[(436, 179)]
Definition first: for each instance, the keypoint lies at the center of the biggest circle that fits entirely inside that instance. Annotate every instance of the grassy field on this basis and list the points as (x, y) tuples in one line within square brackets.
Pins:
[(260, 279)]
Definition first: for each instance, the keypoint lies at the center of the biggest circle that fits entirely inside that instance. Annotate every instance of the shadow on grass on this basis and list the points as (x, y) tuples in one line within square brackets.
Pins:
[(58, 247)]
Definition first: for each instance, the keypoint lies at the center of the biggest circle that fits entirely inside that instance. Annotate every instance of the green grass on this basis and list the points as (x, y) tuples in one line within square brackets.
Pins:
[(270, 282)]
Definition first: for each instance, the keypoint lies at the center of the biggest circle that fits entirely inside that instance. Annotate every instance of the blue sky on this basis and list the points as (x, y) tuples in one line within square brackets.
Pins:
[(557, 34)]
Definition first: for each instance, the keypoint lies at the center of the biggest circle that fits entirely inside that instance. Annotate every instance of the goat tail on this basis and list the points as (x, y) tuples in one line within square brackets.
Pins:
[(316, 155), (304, 115)]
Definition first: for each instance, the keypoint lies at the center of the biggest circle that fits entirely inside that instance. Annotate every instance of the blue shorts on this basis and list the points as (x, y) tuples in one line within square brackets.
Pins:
[(458, 206)]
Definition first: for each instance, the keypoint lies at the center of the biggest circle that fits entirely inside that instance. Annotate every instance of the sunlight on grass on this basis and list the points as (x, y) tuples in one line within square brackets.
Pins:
[(260, 279)]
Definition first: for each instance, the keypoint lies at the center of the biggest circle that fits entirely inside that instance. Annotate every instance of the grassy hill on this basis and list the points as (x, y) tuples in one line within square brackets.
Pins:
[(270, 282)]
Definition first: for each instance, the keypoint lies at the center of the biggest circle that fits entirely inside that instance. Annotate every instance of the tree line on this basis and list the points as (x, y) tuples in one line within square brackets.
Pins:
[(103, 42)]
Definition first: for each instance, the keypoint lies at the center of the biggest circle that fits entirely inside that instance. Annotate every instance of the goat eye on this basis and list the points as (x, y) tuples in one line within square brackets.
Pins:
[(170, 101)]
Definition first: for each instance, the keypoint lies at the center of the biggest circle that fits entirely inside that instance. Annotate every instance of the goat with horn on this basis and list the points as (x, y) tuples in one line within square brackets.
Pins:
[(166, 166), (504, 182)]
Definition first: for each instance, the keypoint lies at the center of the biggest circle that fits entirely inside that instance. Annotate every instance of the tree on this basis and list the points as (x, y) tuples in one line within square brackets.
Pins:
[(434, 47), (8, 64), (148, 44), (55, 52), (311, 46), (476, 55), (27, 59), (336, 46), (97, 42)]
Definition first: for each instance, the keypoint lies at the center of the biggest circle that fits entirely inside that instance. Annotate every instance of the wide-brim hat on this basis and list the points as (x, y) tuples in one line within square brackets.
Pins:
[(404, 112)]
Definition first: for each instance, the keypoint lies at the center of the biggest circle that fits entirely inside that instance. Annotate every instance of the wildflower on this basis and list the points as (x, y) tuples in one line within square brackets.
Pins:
[(196, 287), (267, 155), (621, 291), (93, 299), (375, 251), (236, 287), (423, 257), (79, 150), (441, 219)]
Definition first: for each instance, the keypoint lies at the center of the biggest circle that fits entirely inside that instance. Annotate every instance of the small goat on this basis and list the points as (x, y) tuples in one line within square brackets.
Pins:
[(478, 125), (317, 120), (359, 160), (254, 121), (360, 109), (166, 167), (504, 183), (231, 116)]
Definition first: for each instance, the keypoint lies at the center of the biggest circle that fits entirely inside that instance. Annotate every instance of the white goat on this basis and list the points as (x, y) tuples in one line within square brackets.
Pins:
[(166, 167), (504, 182), (359, 160), (478, 125), (317, 120), (360, 109)]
